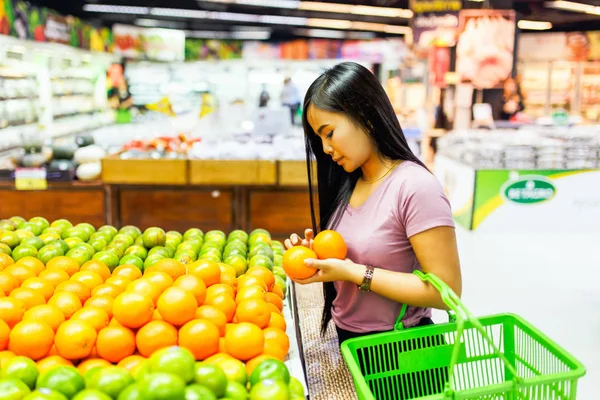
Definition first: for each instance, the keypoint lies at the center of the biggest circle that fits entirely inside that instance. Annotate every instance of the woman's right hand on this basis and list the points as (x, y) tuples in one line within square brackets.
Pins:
[(295, 240)]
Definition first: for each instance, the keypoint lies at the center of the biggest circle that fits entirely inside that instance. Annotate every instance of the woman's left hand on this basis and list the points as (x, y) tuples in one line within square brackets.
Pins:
[(331, 269)]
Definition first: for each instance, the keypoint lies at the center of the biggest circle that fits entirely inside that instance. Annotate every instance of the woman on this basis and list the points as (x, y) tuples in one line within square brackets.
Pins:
[(512, 100), (391, 211)]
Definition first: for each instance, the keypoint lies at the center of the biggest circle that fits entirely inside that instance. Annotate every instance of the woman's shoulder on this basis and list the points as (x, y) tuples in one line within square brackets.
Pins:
[(410, 176)]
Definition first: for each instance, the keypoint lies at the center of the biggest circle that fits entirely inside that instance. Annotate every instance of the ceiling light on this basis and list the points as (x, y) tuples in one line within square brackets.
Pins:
[(320, 33), (573, 6), (240, 35), (158, 23), (178, 13), (111, 9), (534, 25), (329, 23)]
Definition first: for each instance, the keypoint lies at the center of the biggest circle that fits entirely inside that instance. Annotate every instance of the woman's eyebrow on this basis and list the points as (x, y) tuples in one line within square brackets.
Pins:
[(320, 130)]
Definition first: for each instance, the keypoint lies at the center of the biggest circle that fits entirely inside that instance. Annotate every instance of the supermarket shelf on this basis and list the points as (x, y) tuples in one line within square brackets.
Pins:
[(234, 172)]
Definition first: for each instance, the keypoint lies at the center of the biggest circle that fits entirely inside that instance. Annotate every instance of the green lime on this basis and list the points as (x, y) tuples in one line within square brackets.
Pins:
[(260, 231), (8, 225), (106, 236), (174, 239), (153, 237), (22, 368), (282, 283), (48, 252), (193, 232), (212, 377), (121, 237), (236, 391), (138, 251), (131, 230), (131, 392), (98, 244), (110, 259), (11, 239), (210, 258), (174, 360), (61, 224), (55, 230), (91, 394), (49, 237), (150, 261), (116, 249), (17, 219), (270, 389), (24, 251), (276, 244), (44, 394), (110, 380), (160, 250), (63, 379), (185, 257), (76, 232), (212, 244), (236, 244), (296, 388), (141, 370), (33, 241), (133, 260), (211, 252), (270, 369), (23, 234), (259, 238), (139, 241), (31, 227), (89, 228), (234, 370), (5, 249), (41, 222), (199, 392), (79, 255), (13, 389), (162, 386), (108, 229), (277, 260), (73, 241), (85, 246), (189, 246), (62, 244), (239, 263), (239, 235), (261, 250), (261, 261)]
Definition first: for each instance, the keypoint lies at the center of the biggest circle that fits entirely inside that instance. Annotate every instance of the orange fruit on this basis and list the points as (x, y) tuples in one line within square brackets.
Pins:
[(273, 308), (194, 285), (220, 288), (227, 279), (213, 315), (247, 280), (97, 267), (114, 322), (217, 358), (46, 313), (39, 285), (128, 271), (224, 303), (5, 356), (171, 267), (77, 288), (277, 321), (32, 263), (103, 302), (88, 278), (129, 363), (251, 364), (278, 291), (156, 316), (293, 262), (222, 347), (4, 335), (206, 270), (114, 343), (75, 339), (20, 272), (329, 244), (201, 337), (67, 302), (53, 351), (90, 363), (29, 297), (106, 289), (31, 339), (5, 261), (160, 279), (7, 282), (263, 273), (244, 341), (155, 335), (278, 336), (146, 288), (226, 269), (11, 310), (96, 317), (177, 306), (273, 348), (50, 362), (275, 300), (133, 310), (250, 292), (255, 311), (54, 276), (118, 281), (67, 264)]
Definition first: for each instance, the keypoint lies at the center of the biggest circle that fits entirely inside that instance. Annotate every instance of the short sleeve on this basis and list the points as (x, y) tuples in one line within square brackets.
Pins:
[(423, 204)]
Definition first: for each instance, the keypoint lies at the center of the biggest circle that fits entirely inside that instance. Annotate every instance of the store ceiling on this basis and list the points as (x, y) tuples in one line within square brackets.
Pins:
[(226, 16)]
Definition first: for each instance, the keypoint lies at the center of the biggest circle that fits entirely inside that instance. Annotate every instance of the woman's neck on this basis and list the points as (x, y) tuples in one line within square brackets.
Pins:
[(375, 167)]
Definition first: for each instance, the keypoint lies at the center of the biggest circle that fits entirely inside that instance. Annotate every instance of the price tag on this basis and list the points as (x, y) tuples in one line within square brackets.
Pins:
[(31, 179)]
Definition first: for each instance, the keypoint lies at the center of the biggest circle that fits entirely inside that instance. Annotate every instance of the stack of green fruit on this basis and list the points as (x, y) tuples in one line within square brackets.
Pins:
[(170, 374)]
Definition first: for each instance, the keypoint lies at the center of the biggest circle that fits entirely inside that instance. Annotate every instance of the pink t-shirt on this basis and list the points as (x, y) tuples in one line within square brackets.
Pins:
[(410, 200)]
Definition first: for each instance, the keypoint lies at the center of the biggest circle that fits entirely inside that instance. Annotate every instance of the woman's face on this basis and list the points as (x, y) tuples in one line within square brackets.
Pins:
[(346, 143)]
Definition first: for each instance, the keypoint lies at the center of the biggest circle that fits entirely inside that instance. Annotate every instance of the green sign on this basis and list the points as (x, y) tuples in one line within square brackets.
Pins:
[(528, 190)]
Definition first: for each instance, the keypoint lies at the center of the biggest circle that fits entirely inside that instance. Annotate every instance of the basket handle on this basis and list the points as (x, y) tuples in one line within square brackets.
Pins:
[(462, 314)]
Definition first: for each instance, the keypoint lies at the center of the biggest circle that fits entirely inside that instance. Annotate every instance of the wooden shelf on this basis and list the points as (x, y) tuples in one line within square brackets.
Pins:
[(232, 172), (144, 171)]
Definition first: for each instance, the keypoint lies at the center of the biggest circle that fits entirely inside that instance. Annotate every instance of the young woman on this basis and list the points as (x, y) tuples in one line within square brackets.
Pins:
[(391, 211)]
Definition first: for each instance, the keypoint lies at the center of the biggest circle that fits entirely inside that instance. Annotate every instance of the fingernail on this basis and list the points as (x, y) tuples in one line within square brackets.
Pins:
[(308, 262)]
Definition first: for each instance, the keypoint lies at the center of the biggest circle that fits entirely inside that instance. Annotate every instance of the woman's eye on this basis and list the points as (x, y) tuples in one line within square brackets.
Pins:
[(330, 135)]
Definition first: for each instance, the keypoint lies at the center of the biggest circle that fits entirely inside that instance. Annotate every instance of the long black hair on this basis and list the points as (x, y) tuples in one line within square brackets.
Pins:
[(351, 89)]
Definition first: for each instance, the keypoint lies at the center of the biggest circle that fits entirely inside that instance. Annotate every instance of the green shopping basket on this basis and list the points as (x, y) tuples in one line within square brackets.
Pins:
[(493, 357)]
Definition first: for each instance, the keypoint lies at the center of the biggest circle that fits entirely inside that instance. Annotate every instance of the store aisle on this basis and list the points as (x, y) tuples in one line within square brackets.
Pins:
[(550, 279)]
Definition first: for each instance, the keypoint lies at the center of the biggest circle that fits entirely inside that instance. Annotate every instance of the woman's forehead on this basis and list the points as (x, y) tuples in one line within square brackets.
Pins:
[(317, 116)]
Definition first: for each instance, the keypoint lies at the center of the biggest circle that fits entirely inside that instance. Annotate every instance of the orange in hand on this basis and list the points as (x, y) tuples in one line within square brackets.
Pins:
[(330, 244), (293, 262)]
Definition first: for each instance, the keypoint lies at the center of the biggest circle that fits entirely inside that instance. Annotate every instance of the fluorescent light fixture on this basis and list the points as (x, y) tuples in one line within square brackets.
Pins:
[(574, 6), (329, 23), (322, 7), (321, 33), (240, 35), (179, 13), (158, 23), (112, 9), (534, 25)]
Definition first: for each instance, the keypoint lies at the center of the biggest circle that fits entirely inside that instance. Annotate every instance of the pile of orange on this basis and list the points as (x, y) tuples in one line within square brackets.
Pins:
[(61, 313)]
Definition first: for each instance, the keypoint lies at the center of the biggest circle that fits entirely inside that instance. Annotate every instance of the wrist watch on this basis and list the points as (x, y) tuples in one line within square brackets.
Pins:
[(365, 286)]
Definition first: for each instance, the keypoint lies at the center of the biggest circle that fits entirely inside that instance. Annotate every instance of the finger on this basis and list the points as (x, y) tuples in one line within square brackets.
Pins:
[(288, 244), (295, 239), (309, 234), (318, 277), (314, 263)]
